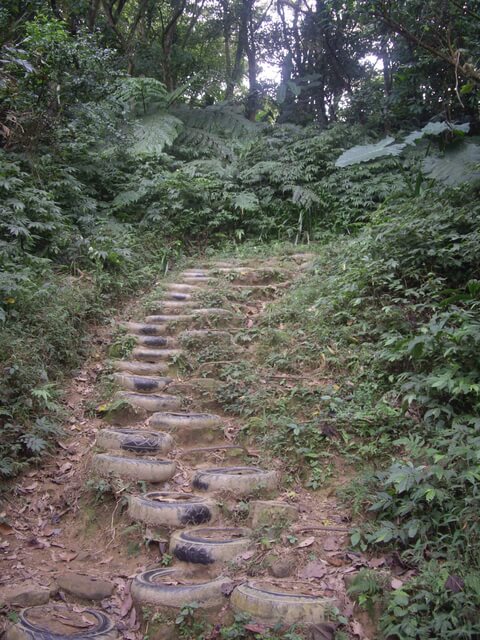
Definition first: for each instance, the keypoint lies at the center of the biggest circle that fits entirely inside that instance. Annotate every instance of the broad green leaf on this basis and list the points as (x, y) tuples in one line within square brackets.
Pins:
[(367, 152), (456, 166)]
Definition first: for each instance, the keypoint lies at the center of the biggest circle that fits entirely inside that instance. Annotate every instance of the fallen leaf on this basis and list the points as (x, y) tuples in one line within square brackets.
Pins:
[(247, 555), (331, 544), (68, 556), (127, 604), (38, 543), (132, 619), (335, 560), (306, 543), (396, 583), (376, 562), (30, 487), (313, 570), (6, 529)]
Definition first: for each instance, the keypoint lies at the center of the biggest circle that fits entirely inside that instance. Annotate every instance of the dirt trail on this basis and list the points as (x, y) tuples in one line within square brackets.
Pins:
[(196, 516)]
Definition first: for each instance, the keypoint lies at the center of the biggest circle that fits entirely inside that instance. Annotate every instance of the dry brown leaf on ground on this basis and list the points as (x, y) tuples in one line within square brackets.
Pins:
[(306, 543), (376, 562), (313, 570), (357, 630), (331, 544), (6, 529), (127, 604), (67, 556)]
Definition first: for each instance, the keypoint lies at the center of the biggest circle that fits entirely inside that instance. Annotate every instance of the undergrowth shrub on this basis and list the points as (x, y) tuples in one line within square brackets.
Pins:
[(46, 315), (388, 323)]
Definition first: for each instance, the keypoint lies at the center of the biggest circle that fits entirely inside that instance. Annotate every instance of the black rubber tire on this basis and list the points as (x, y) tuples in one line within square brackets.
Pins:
[(199, 545), (156, 342), (163, 320), (27, 629), (148, 589), (266, 604), (151, 402), (144, 328), (167, 307), (189, 428), (155, 355), (200, 279), (172, 419), (146, 469), (142, 384), (178, 296), (178, 287), (172, 509), (139, 368), (135, 440), (238, 480)]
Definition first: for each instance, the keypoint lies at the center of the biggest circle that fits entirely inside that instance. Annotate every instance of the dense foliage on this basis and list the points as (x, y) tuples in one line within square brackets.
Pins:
[(132, 130)]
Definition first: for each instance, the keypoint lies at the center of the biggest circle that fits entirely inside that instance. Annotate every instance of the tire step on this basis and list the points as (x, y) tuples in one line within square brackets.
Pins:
[(143, 328), (177, 296), (163, 320), (170, 307), (269, 603), (146, 469), (165, 342), (179, 287), (170, 588), (172, 509), (189, 428), (139, 368), (142, 384), (200, 279), (209, 545), (134, 440), (153, 402), (238, 480), (58, 620), (196, 273), (155, 356)]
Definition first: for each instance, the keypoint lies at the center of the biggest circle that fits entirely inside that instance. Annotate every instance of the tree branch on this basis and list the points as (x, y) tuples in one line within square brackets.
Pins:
[(466, 70)]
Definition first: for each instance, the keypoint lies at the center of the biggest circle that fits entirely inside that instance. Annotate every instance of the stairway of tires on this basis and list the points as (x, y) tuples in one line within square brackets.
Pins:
[(155, 435)]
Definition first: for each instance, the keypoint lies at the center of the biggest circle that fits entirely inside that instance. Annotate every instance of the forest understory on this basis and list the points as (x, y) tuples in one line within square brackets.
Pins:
[(298, 186)]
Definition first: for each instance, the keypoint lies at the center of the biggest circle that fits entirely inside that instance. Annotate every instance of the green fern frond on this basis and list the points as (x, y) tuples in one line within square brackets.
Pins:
[(208, 167), (205, 141), (141, 96), (219, 119), (246, 201), (154, 132)]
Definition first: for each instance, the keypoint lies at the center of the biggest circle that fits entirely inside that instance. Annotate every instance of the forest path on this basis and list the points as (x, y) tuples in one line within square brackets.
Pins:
[(157, 500)]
